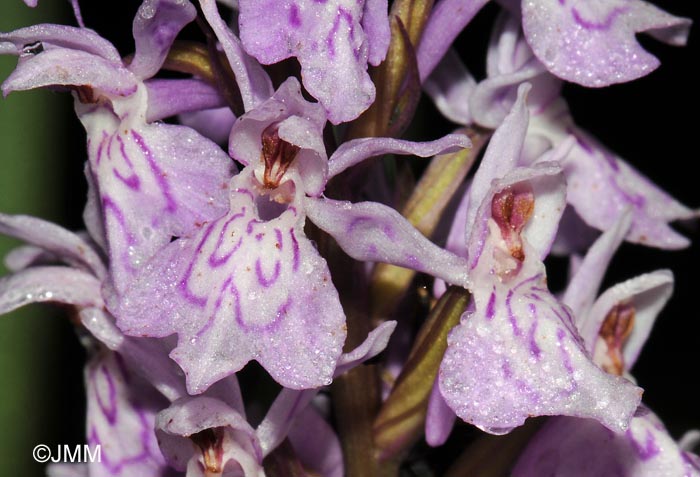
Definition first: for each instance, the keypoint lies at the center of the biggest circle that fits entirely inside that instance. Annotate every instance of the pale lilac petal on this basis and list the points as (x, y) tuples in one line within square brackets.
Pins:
[(502, 153), (58, 36), (357, 150), (647, 294), (171, 97), (329, 41), (49, 284), (375, 25), (155, 181), (372, 232), (285, 409), (593, 171), (439, 419), (450, 86), (214, 124), (594, 43), (148, 357), (66, 246), (253, 82), (233, 444), (584, 285), (63, 67), (121, 412), (298, 122), (242, 288), (25, 256), (155, 27), (492, 373), (316, 444), (583, 448), (31, 3), (447, 19)]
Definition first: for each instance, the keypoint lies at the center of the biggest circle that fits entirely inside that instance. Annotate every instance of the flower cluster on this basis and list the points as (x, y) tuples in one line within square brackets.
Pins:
[(294, 246)]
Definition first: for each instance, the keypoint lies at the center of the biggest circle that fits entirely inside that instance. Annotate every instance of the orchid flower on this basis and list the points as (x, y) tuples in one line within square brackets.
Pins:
[(516, 352), (251, 285), (590, 169), (593, 43), (614, 328), (149, 181), (333, 41)]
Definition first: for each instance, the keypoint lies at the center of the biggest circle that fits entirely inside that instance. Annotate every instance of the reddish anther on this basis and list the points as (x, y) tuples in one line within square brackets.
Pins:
[(614, 332), (511, 209), (210, 443)]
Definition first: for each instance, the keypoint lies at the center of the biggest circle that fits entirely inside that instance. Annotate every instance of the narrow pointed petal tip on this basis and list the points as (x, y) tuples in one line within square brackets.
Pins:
[(593, 43)]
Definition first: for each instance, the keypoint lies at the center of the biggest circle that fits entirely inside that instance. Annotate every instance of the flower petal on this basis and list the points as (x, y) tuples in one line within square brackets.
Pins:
[(65, 245), (439, 420), (317, 445), (253, 82), (583, 288), (372, 232), (156, 25), (170, 97), (242, 288), (194, 430), (594, 43), (449, 86), (121, 412), (357, 150), (329, 41), (49, 284), (582, 448), (155, 181)]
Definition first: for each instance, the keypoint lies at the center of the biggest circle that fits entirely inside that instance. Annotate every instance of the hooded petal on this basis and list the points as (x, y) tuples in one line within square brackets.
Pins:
[(203, 433), (450, 86), (372, 232), (154, 181), (246, 286), (594, 43), (121, 412), (156, 25), (582, 448), (644, 297), (328, 39)]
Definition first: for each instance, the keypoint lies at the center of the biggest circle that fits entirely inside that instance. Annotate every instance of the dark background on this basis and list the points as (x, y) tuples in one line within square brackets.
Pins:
[(651, 122)]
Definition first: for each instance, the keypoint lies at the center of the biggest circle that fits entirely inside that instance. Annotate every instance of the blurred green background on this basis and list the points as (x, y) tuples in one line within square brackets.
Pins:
[(37, 345)]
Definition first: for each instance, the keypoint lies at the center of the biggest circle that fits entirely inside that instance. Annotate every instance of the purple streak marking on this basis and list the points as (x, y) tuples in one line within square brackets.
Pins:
[(264, 281), (491, 306), (599, 26), (183, 286), (511, 316), (646, 451), (109, 410), (295, 250), (294, 18), (215, 261), (171, 205), (534, 348)]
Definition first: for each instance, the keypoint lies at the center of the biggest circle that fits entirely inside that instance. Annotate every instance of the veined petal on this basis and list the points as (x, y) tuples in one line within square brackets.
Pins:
[(594, 43), (584, 285), (519, 355), (156, 25), (66, 246), (49, 284), (198, 433), (357, 150), (154, 181), (121, 412), (244, 287), (644, 296), (582, 448), (328, 39), (372, 232), (253, 82), (52, 36)]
